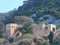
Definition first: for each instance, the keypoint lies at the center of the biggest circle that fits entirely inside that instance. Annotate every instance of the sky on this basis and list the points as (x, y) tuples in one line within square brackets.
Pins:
[(8, 5)]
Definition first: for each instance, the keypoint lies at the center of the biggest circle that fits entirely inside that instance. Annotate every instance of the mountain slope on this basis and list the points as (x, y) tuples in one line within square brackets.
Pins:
[(40, 8), (7, 17)]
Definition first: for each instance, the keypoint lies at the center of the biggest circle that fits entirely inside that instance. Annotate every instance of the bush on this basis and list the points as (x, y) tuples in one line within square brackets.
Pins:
[(39, 41), (46, 43), (24, 43), (11, 40), (28, 36), (56, 42)]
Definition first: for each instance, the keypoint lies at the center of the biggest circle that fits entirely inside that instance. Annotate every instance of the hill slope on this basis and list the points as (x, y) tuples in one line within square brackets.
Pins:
[(39, 10)]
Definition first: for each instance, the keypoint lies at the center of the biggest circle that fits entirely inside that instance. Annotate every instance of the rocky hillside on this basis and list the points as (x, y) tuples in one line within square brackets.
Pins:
[(2, 16), (40, 11), (7, 17)]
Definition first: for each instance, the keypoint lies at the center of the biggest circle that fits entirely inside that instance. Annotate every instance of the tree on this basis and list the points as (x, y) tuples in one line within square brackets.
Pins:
[(50, 37), (2, 28), (26, 29), (8, 20), (23, 20), (26, 22)]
